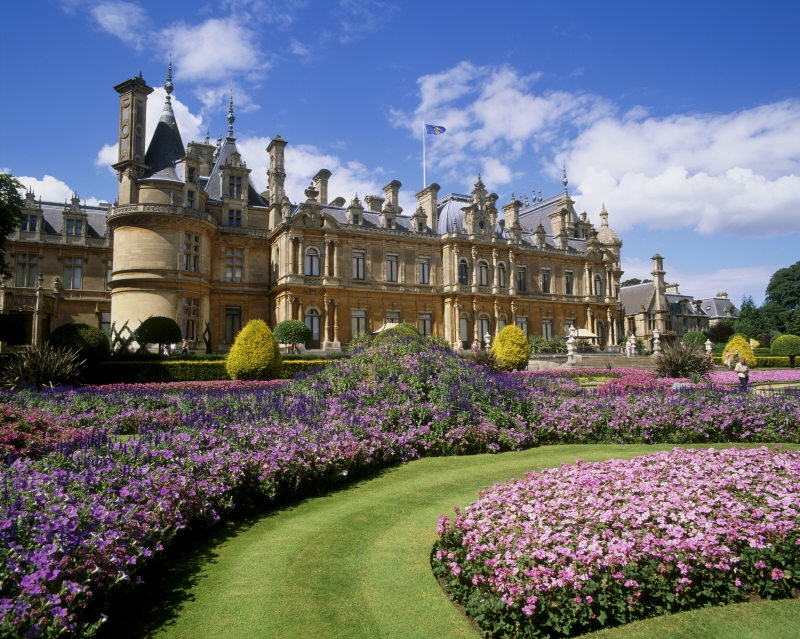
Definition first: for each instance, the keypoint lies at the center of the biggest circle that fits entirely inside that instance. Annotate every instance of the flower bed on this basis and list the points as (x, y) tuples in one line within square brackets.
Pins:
[(80, 515), (576, 548)]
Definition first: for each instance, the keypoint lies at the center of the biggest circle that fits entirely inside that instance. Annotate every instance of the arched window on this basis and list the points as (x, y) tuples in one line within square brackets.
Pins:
[(311, 267), (483, 328), (463, 272), (501, 275), (312, 321), (598, 285), (483, 273)]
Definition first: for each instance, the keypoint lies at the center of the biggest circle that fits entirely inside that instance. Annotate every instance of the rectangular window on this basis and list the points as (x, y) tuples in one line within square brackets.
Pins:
[(391, 268), (425, 324), (546, 281), (73, 272), (358, 265), (74, 227), (521, 277), (190, 175), (424, 270), (547, 329), (501, 276), (190, 199), (29, 223), (191, 311), (568, 283), (463, 273), (234, 262), (234, 217), (191, 252), (522, 324), (27, 270), (392, 317), (235, 187), (483, 274), (359, 322), (233, 323), (105, 323)]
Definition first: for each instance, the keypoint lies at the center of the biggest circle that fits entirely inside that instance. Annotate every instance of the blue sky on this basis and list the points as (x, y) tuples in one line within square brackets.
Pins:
[(682, 118)]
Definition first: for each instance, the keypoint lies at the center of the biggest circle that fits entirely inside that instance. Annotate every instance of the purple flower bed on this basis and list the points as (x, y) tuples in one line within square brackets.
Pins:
[(128, 467), (576, 548)]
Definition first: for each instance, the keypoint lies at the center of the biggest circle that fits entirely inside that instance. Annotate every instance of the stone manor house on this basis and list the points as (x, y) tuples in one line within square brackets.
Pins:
[(190, 238)]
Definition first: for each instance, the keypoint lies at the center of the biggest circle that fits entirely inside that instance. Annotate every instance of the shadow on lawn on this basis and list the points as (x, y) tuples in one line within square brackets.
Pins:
[(166, 584)]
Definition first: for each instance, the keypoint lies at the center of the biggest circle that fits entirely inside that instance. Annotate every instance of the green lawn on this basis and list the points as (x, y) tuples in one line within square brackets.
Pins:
[(355, 564)]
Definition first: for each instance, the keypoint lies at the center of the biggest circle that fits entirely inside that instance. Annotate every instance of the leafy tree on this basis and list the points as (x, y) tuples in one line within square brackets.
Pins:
[(750, 321), (784, 287), (788, 345), (158, 330), (10, 214), (695, 338), (793, 325), (254, 354), (774, 316), (292, 331), (721, 331)]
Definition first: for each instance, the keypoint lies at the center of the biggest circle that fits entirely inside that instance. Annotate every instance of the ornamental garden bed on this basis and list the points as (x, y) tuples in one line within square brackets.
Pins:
[(98, 481)]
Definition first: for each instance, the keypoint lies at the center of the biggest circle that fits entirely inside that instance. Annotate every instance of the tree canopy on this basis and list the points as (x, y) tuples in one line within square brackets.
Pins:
[(10, 214), (784, 287)]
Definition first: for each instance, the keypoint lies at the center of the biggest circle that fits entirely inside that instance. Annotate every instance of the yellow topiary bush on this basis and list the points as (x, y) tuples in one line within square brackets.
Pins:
[(254, 354), (742, 344), (511, 349)]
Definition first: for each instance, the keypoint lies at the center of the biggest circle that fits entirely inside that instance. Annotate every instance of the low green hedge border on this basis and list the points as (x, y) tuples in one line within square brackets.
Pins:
[(202, 370), (772, 361)]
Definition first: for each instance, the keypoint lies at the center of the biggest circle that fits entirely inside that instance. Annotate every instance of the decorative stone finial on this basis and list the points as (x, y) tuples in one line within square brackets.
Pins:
[(231, 117)]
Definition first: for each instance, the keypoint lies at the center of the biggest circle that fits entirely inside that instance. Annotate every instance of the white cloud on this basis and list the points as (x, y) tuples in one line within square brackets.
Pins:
[(51, 189), (125, 20), (215, 51), (736, 173)]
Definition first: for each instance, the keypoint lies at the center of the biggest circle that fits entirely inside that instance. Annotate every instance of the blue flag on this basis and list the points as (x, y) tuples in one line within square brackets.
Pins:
[(434, 129)]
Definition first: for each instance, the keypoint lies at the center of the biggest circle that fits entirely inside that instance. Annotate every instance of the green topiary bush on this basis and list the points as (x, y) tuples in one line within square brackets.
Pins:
[(787, 345), (254, 354), (292, 331), (401, 330), (511, 349), (88, 341), (742, 344), (158, 330)]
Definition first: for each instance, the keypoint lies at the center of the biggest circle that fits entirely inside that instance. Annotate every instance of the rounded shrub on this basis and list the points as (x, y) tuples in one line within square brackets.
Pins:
[(292, 331), (254, 354), (788, 345), (158, 330), (740, 343), (511, 349), (88, 341), (399, 332)]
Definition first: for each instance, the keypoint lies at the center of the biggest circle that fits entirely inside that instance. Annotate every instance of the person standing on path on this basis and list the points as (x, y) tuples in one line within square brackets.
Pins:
[(743, 372)]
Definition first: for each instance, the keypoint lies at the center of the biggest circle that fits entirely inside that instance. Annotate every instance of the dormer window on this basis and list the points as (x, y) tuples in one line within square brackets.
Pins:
[(235, 186), (234, 217), (190, 175), (74, 227), (29, 223), (356, 219)]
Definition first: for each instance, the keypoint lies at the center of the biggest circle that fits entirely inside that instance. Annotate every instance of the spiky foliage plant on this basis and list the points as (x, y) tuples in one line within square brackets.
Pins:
[(511, 349), (45, 366), (683, 360), (537, 343), (254, 354)]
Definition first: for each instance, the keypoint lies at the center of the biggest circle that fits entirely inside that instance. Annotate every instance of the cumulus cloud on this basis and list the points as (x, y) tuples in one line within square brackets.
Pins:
[(735, 173), (125, 20), (51, 189)]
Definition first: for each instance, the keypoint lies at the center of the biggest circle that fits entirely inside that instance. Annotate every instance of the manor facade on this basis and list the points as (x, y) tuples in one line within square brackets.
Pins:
[(190, 237)]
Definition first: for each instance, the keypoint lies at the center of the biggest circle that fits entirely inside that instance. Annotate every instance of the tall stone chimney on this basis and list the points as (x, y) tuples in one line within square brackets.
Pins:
[(427, 201), (321, 184)]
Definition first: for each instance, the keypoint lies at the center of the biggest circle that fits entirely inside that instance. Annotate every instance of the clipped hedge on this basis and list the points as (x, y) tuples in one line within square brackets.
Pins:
[(293, 366), (145, 371), (773, 361)]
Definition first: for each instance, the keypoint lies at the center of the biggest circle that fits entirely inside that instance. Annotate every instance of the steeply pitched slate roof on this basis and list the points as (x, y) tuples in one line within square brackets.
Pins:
[(719, 308), (214, 186), (166, 149), (53, 217), (531, 215), (636, 297)]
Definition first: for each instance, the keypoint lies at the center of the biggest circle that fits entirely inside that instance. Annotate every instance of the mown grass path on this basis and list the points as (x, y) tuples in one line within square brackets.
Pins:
[(355, 563)]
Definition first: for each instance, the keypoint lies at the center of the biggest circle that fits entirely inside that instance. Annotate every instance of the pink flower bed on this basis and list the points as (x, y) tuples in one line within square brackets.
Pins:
[(575, 548)]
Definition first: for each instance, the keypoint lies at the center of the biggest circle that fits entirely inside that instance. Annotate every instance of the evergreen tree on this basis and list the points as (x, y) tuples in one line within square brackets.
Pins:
[(10, 214)]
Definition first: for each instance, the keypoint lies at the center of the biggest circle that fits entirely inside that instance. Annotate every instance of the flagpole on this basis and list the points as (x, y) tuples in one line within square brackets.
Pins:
[(424, 177)]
